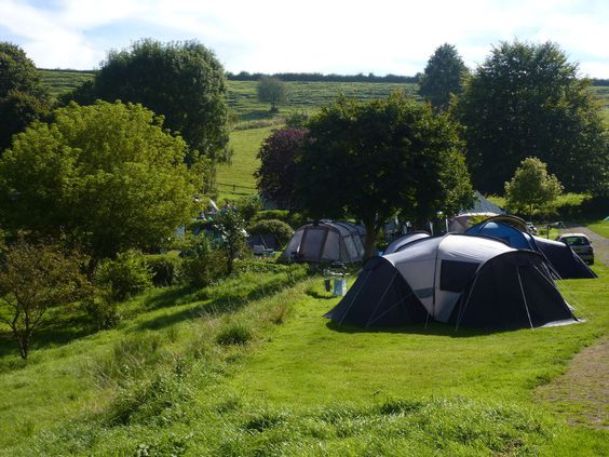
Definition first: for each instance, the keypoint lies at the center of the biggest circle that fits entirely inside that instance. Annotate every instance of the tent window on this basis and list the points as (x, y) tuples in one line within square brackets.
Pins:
[(311, 244), (332, 248), (455, 275), (351, 250)]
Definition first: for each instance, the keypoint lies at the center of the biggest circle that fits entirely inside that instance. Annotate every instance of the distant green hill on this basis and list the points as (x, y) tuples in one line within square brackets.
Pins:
[(61, 81)]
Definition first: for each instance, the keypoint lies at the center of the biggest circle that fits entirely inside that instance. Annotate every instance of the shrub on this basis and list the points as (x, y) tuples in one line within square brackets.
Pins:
[(280, 230), (103, 312), (294, 220), (248, 207), (235, 333), (166, 269), (202, 264), (124, 277), (297, 120)]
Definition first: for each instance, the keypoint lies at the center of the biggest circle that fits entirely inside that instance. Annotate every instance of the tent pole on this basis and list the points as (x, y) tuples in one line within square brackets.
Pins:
[(392, 306), (464, 307), (380, 300), (526, 306), (355, 296)]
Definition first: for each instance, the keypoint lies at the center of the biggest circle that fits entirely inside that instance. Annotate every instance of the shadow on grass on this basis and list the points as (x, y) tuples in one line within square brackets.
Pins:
[(211, 306), (170, 297), (319, 296), (54, 334), (432, 328)]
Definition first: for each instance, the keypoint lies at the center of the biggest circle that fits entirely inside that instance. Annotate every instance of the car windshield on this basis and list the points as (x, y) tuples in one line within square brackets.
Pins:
[(575, 240)]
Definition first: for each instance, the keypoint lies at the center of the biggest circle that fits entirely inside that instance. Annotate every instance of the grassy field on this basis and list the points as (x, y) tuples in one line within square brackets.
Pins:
[(236, 180), (249, 367), (60, 82)]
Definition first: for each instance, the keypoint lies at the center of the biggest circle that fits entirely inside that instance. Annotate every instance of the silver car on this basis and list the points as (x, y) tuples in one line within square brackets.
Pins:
[(580, 244)]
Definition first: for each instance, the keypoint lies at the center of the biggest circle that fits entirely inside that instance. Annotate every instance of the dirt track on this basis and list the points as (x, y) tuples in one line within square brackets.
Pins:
[(584, 389)]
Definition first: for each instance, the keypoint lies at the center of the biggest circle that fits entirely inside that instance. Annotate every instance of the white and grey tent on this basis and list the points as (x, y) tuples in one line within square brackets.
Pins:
[(326, 242), (399, 243), (464, 280)]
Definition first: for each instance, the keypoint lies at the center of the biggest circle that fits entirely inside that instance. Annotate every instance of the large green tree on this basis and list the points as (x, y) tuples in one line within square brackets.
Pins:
[(183, 81), (23, 99), (278, 153), (443, 76), (107, 177), (372, 160), (526, 99)]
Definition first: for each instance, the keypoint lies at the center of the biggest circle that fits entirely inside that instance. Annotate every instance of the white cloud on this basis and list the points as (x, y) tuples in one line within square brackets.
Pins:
[(318, 35)]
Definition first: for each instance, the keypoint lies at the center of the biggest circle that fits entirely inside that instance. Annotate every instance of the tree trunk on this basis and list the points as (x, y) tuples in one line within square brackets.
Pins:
[(371, 236)]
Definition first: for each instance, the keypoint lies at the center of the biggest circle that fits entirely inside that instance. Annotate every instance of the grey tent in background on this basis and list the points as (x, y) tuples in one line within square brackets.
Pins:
[(481, 209), (465, 280), (483, 205), (326, 241)]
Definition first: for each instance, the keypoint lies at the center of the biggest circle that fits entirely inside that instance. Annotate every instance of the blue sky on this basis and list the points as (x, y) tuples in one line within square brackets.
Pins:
[(327, 36)]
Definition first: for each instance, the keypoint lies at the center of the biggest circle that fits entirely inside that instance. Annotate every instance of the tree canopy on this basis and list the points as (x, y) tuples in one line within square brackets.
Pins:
[(532, 188), (527, 99), (22, 96), (271, 90), (372, 160), (277, 172), (443, 76), (106, 176), (183, 81)]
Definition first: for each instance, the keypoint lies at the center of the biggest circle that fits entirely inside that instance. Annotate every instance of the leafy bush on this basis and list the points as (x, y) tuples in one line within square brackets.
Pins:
[(166, 269), (124, 277), (297, 120), (280, 230), (294, 220), (103, 312), (249, 206), (202, 264), (235, 333)]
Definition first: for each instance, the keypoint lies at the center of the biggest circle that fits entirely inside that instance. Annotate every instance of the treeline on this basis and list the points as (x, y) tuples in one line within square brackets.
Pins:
[(320, 77)]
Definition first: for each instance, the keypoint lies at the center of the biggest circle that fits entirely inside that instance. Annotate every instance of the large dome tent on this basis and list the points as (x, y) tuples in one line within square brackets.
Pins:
[(433, 275), (326, 241)]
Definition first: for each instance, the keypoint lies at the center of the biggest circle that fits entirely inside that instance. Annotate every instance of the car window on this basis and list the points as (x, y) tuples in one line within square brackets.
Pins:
[(575, 241)]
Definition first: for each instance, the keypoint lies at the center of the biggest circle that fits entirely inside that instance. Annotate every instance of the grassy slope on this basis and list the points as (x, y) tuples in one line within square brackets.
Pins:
[(240, 172), (601, 227)]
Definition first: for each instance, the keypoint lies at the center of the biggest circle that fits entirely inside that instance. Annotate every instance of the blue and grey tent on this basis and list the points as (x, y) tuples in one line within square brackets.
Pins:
[(559, 258)]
